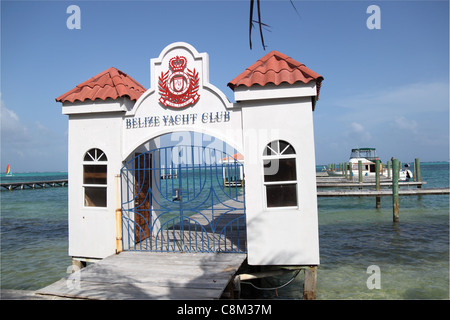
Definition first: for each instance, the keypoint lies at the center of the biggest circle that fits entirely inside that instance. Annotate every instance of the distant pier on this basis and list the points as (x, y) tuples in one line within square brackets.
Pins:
[(343, 185), (165, 176), (382, 193), (34, 184)]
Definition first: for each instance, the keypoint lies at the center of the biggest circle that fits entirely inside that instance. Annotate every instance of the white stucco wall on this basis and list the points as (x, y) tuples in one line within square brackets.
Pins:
[(92, 230), (280, 236)]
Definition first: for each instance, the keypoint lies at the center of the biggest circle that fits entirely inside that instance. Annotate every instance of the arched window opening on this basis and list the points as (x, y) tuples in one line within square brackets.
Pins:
[(95, 155), (280, 175), (95, 178)]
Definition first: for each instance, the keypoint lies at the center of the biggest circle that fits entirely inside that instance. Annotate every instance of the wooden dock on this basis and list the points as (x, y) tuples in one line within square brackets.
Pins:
[(34, 184), (367, 188), (382, 193), (341, 183), (373, 186), (150, 275)]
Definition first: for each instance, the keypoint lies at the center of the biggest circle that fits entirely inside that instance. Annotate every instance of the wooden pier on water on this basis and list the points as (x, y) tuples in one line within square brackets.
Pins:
[(382, 193), (149, 276), (34, 184), (346, 188)]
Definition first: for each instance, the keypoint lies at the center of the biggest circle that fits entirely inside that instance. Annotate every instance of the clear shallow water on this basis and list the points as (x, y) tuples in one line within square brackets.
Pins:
[(33, 234), (412, 255)]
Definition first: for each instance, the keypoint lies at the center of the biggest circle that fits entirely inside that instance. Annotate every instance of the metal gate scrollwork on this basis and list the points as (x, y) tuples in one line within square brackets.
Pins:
[(184, 198)]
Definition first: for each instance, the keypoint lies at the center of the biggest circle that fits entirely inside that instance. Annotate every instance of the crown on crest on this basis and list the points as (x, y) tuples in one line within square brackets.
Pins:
[(178, 63)]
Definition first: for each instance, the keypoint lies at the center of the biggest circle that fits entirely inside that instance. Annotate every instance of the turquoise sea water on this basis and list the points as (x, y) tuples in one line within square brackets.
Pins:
[(412, 255)]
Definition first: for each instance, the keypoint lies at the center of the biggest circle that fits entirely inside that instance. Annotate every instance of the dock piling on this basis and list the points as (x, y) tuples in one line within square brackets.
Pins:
[(360, 175), (417, 174), (377, 182), (346, 170), (389, 169), (395, 198), (309, 286)]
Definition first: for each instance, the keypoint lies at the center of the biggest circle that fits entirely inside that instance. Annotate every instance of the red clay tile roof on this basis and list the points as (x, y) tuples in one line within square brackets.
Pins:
[(111, 83), (276, 68)]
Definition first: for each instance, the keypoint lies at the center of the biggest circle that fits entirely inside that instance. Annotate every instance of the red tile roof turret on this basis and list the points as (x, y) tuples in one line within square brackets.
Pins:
[(111, 83), (276, 68)]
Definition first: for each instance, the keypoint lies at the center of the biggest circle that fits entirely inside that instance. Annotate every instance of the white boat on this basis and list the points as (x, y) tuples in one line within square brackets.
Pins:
[(368, 156)]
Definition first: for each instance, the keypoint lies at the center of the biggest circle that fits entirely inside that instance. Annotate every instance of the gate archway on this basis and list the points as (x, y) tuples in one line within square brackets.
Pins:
[(184, 198)]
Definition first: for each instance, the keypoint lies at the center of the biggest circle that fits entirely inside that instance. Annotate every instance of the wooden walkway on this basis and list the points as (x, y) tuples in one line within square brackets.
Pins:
[(345, 188), (150, 275), (347, 184), (34, 184), (382, 193)]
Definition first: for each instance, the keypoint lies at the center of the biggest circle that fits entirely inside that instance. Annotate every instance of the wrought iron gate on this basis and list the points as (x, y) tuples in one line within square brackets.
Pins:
[(184, 198)]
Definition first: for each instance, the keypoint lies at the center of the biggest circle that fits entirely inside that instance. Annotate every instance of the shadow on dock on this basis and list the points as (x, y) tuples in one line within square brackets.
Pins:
[(150, 276)]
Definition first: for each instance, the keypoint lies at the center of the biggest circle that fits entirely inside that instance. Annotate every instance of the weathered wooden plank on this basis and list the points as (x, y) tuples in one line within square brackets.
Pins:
[(364, 184), (117, 275), (200, 283), (24, 295), (151, 275), (127, 291), (174, 258), (381, 193)]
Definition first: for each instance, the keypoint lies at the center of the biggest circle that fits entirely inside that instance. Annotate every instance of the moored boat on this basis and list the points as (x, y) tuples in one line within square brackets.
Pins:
[(368, 157)]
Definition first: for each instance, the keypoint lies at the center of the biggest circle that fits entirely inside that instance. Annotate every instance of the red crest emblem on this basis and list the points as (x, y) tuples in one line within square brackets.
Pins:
[(178, 89)]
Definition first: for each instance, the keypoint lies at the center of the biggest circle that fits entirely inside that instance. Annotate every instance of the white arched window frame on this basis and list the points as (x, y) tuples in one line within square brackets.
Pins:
[(95, 168), (280, 175)]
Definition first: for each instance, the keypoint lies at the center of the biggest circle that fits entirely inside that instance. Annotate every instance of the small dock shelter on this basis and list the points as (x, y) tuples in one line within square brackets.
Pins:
[(233, 175), (256, 195)]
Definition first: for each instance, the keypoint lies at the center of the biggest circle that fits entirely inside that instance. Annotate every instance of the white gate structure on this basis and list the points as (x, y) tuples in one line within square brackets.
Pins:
[(259, 199)]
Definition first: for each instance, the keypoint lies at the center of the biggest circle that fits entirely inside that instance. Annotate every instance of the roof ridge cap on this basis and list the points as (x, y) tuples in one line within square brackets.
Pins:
[(119, 81), (122, 75), (94, 78)]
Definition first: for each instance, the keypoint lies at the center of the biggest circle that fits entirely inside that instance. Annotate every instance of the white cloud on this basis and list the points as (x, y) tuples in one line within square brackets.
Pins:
[(12, 130), (358, 133), (406, 124), (357, 127), (8, 115), (30, 146)]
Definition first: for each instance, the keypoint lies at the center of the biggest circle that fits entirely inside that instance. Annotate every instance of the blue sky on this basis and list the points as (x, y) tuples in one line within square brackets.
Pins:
[(386, 88)]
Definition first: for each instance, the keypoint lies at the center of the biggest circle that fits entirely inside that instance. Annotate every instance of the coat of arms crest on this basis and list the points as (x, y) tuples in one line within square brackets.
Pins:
[(178, 89)]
